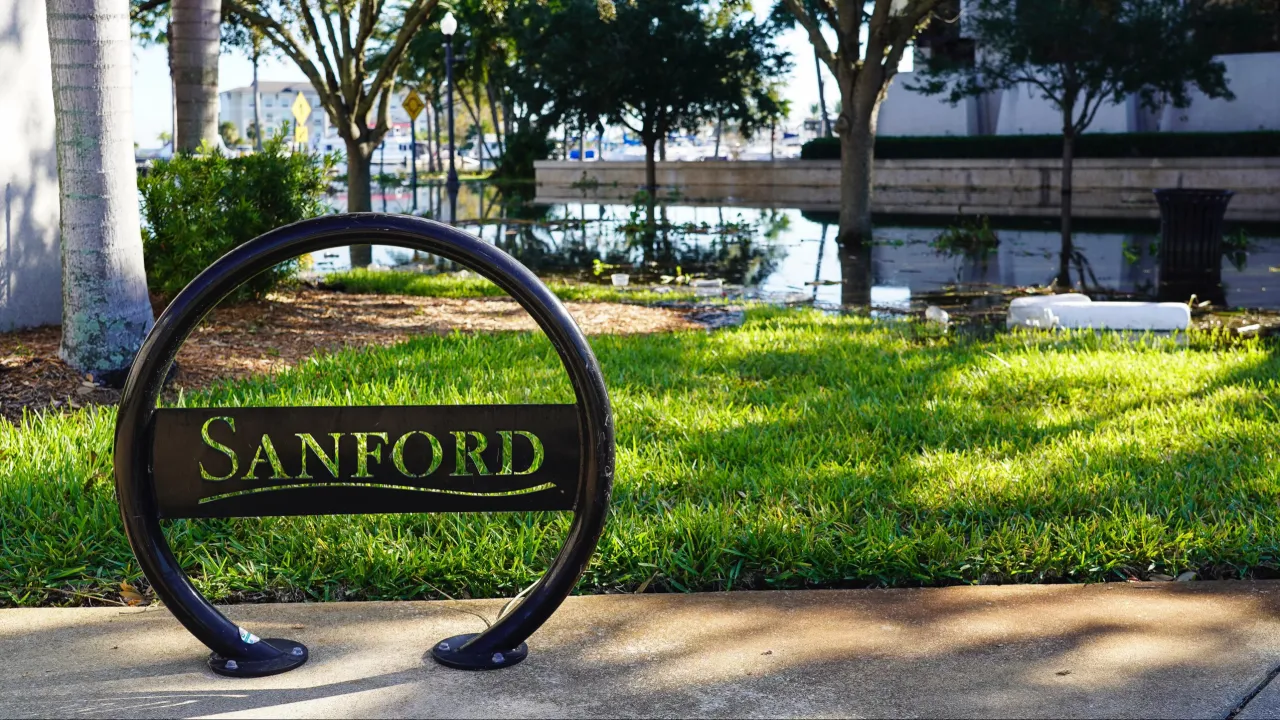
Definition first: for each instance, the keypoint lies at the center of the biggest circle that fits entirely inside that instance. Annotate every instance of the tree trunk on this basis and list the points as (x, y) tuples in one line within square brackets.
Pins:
[(431, 158), (855, 274), (359, 197), (857, 144), (173, 95), (493, 113), (481, 152), (1068, 159), (257, 100), (105, 308), (508, 111), (860, 96), (435, 110), (662, 148), (719, 130), (822, 97), (196, 35), (650, 169)]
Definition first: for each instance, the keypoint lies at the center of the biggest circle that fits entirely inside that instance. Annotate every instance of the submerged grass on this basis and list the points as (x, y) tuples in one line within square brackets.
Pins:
[(457, 285), (798, 450)]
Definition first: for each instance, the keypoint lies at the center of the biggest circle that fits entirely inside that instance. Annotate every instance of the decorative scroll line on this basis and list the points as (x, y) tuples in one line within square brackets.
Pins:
[(279, 488)]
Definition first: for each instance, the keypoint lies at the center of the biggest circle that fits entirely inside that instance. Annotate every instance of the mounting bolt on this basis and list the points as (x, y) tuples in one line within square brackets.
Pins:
[(297, 651), (498, 658), (444, 646), (231, 665)]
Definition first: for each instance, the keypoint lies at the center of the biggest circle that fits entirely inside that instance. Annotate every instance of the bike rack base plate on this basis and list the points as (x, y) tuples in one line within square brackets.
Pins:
[(292, 654), (452, 653)]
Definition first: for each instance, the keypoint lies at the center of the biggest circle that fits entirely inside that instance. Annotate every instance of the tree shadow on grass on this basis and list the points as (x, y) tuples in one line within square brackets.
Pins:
[(830, 485)]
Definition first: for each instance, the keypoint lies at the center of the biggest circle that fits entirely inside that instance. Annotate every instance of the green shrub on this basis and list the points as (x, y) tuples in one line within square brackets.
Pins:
[(1089, 145), (197, 208), (522, 149), (972, 237)]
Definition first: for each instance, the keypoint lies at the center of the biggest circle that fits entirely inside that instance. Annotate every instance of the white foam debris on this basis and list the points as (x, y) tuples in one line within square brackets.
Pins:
[(1076, 311)]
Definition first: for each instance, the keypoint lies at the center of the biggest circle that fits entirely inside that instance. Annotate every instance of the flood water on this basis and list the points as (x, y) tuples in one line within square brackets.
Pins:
[(792, 256)]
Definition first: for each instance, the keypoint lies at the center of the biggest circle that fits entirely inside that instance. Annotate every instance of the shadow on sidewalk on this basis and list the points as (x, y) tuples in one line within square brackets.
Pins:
[(1139, 650)]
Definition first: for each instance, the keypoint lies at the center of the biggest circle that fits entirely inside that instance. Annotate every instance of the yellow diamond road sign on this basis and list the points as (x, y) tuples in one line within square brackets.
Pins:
[(301, 109), (413, 104)]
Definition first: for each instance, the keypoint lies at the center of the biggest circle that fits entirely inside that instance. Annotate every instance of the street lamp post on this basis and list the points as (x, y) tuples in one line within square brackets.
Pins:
[(448, 26)]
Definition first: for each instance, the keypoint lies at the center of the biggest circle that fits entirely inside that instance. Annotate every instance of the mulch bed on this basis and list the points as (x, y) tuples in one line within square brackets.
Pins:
[(274, 334)]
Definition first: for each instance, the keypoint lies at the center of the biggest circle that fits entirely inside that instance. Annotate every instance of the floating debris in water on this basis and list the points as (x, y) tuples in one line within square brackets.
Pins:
[(935, 314)]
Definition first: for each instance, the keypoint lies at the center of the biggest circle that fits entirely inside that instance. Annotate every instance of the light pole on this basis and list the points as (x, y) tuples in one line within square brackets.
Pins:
[(448, 26)]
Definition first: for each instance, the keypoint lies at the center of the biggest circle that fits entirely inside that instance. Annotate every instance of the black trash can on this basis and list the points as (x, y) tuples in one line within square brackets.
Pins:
[(1191, 221)]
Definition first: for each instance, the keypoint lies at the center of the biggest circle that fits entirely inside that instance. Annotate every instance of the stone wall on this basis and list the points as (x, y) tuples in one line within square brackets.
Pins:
[(1119, 188), (30, 265)]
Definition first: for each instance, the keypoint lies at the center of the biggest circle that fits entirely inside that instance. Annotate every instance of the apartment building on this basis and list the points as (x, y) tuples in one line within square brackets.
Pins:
[(236, 106)]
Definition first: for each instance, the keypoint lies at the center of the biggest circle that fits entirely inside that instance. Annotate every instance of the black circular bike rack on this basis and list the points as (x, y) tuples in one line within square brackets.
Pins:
[(169, 464)]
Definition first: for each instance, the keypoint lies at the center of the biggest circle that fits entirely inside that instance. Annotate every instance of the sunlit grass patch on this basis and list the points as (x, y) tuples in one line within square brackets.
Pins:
[(799, 450)]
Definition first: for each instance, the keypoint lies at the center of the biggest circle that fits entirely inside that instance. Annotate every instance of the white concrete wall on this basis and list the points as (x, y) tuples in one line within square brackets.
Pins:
[(30, 263), (1023, 111), (910, 113), (1254, 78)]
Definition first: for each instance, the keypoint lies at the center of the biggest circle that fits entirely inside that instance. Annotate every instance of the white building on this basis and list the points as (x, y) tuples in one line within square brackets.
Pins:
[(236, 106), (1252, 73), (1251, 77)]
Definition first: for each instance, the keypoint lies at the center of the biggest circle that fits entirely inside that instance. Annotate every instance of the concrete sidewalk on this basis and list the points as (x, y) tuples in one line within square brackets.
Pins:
[(1116, 650)]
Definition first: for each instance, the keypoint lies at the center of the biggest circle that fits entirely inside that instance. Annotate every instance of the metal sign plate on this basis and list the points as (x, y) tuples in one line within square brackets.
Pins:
[(413, 104), (265, 461), (301, 109)]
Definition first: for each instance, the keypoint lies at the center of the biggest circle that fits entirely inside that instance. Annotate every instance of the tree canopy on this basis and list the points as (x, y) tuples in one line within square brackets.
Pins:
[(665, 65)]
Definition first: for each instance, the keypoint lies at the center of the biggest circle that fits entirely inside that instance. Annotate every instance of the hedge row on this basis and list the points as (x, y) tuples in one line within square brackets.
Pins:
[(1091, 145)]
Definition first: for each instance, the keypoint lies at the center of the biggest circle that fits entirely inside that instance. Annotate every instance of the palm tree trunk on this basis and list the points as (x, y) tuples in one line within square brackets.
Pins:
[(196, 36), (105, 308)]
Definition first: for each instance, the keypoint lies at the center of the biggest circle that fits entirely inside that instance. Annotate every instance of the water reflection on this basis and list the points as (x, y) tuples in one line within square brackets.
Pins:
[(792, 256)]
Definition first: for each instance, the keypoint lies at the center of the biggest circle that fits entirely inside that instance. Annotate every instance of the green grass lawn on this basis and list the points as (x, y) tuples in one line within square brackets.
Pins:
[(799, 450), (454, 285)]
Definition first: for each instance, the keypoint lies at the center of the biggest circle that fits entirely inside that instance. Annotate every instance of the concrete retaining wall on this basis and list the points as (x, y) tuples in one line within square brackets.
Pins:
[(30, 264), (1119, 188)]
